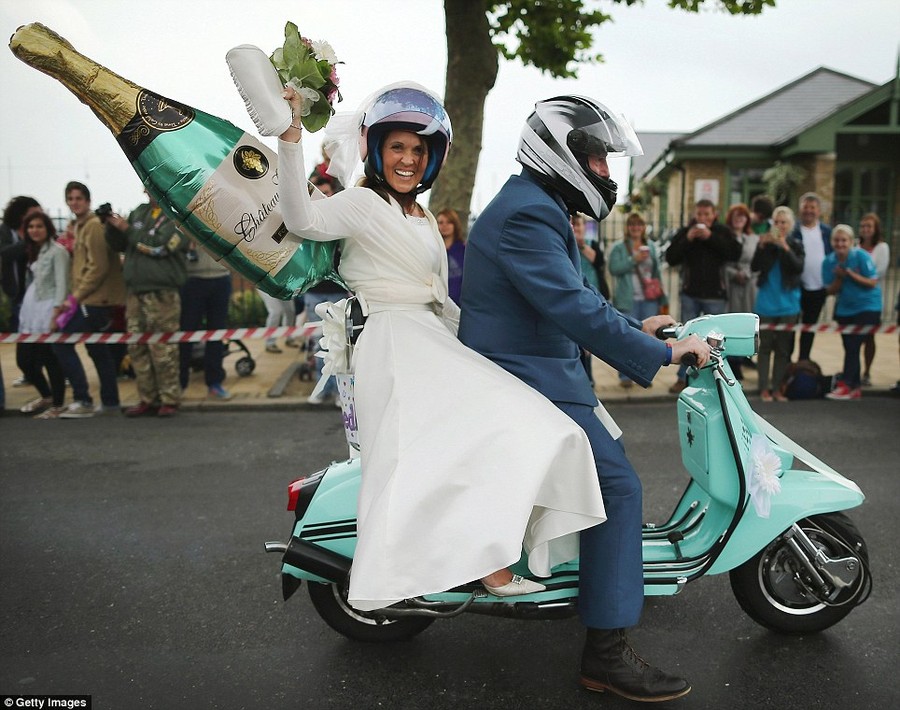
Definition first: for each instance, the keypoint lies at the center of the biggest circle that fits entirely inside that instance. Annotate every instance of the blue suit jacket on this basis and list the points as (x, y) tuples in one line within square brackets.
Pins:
[(527, 307)]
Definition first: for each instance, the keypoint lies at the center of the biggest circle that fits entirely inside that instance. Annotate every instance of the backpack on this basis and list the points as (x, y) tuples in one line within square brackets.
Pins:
[(804, 380)]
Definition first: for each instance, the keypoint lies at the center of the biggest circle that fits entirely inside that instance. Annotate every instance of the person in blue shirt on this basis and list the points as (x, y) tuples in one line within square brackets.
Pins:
[(779, 261), (849, 274)]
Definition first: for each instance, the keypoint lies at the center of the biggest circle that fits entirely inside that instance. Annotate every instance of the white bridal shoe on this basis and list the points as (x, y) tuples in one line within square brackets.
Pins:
[(260, 86), (518, 585)]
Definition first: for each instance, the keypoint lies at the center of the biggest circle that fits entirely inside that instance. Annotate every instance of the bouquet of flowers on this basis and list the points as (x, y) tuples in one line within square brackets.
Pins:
[(309, 67)]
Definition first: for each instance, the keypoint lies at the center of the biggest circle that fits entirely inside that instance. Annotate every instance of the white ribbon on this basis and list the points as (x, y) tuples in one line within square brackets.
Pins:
[(333, 343)]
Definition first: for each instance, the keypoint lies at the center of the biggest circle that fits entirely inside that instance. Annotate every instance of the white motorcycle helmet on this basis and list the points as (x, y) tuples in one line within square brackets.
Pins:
[(407, 107), (555, 144)]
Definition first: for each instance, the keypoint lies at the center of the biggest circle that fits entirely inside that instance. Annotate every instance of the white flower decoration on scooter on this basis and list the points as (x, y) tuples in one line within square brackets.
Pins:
[(764, 474)]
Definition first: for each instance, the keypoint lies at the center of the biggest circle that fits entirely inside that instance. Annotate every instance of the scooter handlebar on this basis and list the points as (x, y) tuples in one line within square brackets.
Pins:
[(672, 331), (689, 360), (664, 332)]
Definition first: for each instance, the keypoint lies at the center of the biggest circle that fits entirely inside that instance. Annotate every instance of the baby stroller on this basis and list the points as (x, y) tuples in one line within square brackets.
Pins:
[(244, 366)]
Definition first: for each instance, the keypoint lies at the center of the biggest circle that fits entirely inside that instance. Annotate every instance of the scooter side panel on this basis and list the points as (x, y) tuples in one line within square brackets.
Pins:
[(705, 447), (330, 520)]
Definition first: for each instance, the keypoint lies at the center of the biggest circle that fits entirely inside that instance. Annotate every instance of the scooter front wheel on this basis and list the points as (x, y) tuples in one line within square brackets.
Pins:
[(330, 600), (775, 588)]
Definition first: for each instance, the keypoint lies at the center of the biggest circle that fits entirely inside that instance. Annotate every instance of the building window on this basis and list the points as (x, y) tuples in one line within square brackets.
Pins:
[(859, 189), (744, 184)]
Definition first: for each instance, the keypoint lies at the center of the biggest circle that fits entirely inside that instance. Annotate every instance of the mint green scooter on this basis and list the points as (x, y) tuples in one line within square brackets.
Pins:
[(757, 506)]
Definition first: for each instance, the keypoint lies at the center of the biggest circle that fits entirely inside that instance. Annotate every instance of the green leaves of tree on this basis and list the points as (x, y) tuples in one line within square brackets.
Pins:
[(556, 35)]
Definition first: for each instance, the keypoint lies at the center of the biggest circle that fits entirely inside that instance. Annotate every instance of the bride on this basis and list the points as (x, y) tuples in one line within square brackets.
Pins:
[(462, 463)]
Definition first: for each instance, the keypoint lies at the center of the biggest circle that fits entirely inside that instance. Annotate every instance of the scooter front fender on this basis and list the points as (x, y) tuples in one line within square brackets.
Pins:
[(804, 492)]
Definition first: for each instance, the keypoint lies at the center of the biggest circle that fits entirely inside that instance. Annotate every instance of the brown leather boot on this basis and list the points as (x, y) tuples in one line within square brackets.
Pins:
[(610, 663)]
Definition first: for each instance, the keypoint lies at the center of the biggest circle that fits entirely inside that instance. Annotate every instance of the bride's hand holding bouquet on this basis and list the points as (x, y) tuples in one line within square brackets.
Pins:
[(301, 72)]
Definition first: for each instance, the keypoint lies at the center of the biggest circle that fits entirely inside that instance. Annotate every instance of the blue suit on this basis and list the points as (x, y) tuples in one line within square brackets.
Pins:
[(527, 307)]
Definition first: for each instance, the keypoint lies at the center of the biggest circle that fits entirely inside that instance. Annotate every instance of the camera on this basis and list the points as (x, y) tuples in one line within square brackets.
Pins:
[(103, 211)]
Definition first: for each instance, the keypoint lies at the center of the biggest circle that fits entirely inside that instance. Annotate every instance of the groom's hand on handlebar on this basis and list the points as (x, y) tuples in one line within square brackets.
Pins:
[(690, 351), (652, 324)]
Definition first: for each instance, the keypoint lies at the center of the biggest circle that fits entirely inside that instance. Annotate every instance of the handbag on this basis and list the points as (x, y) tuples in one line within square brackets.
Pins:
[(653, 289)]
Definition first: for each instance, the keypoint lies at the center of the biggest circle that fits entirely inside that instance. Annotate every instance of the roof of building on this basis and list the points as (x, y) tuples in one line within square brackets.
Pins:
[(782, 114), (653, 143)]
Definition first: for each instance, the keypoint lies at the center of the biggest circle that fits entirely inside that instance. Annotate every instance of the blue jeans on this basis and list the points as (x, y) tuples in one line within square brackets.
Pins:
[(641, 310), (310, 301), (853, 343), (90, 319), (691, 308), (204, 303)]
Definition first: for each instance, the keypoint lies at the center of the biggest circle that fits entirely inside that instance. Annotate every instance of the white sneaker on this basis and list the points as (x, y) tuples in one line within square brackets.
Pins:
[(77, 410), (259, 85)]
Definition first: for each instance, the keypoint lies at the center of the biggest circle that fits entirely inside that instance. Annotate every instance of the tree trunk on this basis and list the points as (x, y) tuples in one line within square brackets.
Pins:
[(472, 65)]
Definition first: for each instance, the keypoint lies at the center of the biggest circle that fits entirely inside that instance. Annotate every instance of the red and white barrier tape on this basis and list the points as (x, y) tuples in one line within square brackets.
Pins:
[(829, 328), (202, 336), (180, 336)]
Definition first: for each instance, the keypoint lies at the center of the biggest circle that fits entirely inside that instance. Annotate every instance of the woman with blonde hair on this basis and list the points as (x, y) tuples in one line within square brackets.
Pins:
[(779, 261), (633, 262), (849, 275)]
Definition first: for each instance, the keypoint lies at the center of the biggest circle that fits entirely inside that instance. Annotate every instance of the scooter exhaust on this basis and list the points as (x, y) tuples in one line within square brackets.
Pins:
[(311, 558)]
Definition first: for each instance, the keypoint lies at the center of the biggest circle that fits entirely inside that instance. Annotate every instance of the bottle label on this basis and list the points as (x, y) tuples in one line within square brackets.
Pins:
[(239, 202), (154, 115)]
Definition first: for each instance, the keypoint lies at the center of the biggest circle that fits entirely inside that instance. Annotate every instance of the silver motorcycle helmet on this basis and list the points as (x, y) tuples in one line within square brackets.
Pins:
[(555, 144)]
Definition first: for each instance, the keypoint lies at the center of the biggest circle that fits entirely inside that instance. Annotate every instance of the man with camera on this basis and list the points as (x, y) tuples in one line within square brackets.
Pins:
[(155, 270), (97, 286)]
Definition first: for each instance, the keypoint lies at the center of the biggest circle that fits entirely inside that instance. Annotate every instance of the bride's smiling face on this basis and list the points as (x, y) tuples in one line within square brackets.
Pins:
[(405, 156)]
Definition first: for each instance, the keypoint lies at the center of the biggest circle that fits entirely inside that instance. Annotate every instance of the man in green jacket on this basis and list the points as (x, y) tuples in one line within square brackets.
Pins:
[(154, 271)]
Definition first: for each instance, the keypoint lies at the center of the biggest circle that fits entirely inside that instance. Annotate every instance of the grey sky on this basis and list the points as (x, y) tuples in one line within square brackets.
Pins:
[(665, 70)]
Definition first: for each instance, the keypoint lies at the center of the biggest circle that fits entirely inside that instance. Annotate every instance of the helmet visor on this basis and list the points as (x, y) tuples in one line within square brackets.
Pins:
[(611, 137), (412, 107)]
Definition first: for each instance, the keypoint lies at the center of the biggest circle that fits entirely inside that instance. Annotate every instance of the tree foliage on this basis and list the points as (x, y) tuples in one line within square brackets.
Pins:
[(554, 36)]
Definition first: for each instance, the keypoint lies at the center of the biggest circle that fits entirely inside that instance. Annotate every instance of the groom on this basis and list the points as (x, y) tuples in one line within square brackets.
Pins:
[(526, 306)]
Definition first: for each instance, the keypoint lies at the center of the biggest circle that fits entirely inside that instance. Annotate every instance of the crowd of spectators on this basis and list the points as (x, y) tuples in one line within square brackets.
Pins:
[(103, 268)]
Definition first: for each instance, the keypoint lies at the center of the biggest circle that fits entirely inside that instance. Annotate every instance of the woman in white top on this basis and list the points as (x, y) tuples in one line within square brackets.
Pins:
[(871, 239), (461, 461), (48, 286)]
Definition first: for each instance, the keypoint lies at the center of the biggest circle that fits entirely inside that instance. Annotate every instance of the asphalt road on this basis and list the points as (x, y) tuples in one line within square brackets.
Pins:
[(131, 569)]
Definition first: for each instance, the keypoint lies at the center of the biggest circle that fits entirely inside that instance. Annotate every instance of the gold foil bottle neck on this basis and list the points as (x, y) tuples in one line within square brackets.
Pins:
[(111, 97)]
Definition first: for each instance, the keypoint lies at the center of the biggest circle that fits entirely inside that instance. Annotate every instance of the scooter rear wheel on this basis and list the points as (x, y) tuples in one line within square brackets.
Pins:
[(330, 600), (767, 587)]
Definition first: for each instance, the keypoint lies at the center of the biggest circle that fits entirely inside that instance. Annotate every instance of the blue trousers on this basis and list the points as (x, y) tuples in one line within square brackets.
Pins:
[(611, 587), (204, 304), (90, 319), (853, 343), (691, 308)]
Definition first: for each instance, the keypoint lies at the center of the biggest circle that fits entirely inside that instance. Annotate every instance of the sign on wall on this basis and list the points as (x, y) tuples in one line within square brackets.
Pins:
[(707, 190)]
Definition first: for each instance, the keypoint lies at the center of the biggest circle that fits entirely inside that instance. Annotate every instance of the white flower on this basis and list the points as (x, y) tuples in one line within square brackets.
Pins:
[(323, 50), (307, 96), (765, 470)]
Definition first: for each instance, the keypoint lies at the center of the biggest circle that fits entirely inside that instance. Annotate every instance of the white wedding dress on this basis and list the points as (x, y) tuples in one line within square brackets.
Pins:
[(462, 463)]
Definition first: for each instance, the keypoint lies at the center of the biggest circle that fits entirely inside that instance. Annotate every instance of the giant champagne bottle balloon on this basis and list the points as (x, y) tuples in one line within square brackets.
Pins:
[(216, 180)]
